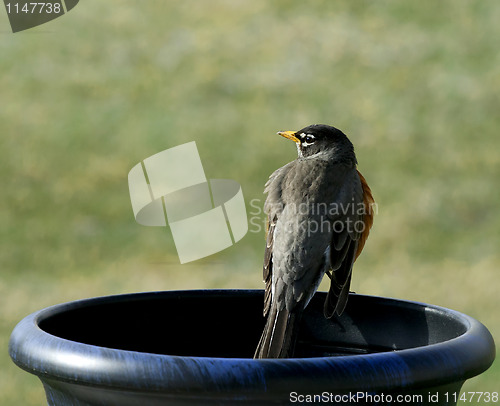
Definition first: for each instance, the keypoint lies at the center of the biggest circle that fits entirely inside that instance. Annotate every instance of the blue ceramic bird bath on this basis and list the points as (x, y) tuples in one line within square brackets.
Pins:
[(195, 348)]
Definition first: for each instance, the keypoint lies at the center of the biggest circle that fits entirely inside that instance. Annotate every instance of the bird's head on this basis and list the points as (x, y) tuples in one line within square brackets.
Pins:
[(324, 139)]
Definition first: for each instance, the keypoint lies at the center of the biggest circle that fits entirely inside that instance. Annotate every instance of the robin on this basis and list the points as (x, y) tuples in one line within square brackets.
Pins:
[(319, 210)]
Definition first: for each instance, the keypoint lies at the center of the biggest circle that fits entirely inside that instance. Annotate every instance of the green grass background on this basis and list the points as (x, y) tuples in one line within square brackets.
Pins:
[(85, 97)]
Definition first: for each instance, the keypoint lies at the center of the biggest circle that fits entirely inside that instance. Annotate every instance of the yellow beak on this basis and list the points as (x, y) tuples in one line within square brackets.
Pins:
[(290, 135)]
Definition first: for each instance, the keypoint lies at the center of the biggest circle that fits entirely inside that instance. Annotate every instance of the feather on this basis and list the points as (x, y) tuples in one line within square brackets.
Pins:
[(280, 334), (340, 282)]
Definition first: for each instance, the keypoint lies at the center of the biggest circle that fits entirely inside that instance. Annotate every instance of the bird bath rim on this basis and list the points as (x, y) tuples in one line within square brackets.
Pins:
[(53, 358)]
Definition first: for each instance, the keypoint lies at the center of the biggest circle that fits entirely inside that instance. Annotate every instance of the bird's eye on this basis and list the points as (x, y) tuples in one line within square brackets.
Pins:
[(309, 139)]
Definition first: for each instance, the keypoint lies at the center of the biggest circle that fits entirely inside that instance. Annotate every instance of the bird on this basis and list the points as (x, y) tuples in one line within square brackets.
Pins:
[(319, 214)]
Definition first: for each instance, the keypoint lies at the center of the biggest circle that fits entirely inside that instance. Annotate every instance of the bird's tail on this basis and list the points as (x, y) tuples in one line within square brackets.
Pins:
[(279, 335)]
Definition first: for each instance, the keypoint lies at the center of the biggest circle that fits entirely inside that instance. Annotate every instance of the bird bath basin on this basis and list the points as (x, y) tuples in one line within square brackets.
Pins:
[(195, 348)]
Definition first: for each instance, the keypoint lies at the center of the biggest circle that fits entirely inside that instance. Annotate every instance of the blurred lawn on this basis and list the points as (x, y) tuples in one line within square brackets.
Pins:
[(415, 85)]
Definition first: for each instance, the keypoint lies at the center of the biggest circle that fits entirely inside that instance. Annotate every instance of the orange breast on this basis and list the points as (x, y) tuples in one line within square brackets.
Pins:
[(368, 202)]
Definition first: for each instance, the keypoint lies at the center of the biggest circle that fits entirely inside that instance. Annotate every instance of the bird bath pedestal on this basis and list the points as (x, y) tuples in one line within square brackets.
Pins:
[(196, 347)]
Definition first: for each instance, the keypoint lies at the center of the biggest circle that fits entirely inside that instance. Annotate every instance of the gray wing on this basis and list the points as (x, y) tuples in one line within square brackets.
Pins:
[(302, 233), (273, 207), (296, 255), (344, 244)]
